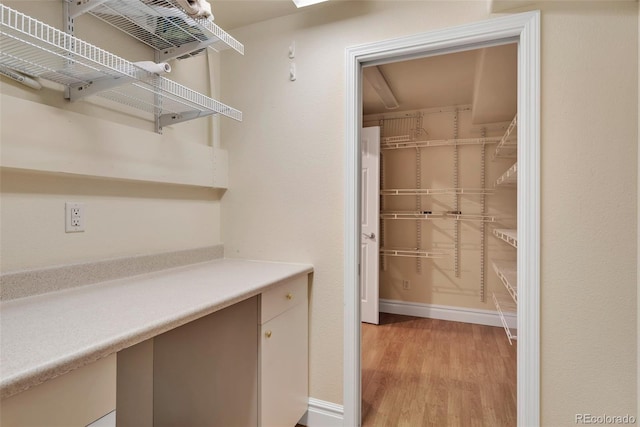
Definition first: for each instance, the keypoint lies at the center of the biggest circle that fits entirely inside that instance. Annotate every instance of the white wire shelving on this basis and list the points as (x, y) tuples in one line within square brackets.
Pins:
[(412, 253), (437, 215), (510, 177), (507, 271), (405, 141), (434, 191), (504, 305), (508, 235), (507, 147), (37, 49), (160, 24)]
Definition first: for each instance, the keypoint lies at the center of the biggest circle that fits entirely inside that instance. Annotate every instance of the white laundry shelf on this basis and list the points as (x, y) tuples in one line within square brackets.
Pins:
[(161, 24), (39, 50)]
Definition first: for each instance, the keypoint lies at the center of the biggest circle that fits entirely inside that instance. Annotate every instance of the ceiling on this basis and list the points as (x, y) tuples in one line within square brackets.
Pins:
[(484, 78), (230, 14)]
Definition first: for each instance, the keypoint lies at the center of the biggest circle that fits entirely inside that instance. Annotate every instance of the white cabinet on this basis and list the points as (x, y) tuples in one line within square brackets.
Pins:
[(283, 354)]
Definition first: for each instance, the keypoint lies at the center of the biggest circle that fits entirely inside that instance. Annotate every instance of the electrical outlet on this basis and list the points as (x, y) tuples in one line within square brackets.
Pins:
[(73, 217), (406, 285)]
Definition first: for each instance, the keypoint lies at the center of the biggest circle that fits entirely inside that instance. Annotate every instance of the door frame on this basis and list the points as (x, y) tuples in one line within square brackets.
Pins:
[(523, 28)]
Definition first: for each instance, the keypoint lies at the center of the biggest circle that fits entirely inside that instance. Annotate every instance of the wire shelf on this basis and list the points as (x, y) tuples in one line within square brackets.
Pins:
[(37, 49), (410, 215), (507, 148), (470, 217), (508, 235), (436, 215), (161, 24), (507, 271), (404, 141), (412, 253), (433, 191), (510, 177), (503, 306)]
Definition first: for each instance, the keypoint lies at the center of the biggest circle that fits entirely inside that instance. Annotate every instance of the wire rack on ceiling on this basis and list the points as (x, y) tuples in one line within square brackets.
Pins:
[(37, 49)]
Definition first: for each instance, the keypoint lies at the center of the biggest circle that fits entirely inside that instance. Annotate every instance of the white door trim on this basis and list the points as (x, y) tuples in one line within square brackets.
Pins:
[(525, 29)]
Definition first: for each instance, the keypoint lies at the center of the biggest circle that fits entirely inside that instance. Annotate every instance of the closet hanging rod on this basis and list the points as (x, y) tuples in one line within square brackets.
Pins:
[(412, 253), (405, 141), (434, 191), (437, 215)]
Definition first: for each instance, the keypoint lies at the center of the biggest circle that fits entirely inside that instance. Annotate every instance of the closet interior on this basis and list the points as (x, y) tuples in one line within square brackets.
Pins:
[(448, 185)]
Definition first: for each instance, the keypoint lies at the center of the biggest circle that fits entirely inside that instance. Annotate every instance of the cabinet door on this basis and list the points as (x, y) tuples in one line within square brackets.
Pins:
[(284, 368)]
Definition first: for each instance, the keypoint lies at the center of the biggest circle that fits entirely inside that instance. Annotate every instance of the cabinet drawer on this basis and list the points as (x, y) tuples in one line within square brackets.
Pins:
[(282, 297)]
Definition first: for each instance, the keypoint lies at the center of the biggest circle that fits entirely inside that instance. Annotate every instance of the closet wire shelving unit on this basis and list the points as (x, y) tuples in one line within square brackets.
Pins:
[(406, 132), (36, 49), (507, 270)]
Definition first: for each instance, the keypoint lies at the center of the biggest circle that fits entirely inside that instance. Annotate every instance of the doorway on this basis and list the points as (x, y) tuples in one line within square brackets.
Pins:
[(522, 29)]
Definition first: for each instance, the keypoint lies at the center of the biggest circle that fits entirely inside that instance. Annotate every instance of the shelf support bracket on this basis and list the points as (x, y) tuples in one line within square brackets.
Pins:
[(80, 7)]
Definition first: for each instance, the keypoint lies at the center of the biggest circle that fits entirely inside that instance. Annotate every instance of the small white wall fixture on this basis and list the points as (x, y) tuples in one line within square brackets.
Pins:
[(524, 29)]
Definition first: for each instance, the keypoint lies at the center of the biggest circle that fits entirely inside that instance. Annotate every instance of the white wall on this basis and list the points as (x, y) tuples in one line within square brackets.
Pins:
[(287, 166), (589, 166), (285, 200)]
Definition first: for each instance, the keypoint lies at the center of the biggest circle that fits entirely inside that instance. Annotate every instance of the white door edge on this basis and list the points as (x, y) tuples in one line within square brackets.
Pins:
[(525, 29)]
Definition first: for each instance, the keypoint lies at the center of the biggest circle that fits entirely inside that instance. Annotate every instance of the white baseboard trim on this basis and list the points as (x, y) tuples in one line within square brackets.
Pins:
[(323, 414), (445, 312)]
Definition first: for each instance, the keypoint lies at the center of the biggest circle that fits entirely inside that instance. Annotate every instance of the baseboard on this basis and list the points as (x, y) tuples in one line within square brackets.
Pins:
[(323, 414), (444, 312)]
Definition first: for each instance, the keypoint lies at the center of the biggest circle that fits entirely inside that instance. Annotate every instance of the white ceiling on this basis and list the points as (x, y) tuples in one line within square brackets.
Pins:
[(230, 14), (484, 78)]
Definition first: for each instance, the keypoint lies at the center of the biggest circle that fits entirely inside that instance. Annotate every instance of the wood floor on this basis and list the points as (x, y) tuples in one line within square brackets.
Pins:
[(427, 372)]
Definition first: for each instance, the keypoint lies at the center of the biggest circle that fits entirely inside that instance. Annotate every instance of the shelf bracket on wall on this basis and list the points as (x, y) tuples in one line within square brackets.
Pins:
[(483, 207), (383, 258), (456, 199)]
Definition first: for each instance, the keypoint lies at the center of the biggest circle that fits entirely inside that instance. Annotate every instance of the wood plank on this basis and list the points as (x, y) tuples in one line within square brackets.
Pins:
[(428, 372)]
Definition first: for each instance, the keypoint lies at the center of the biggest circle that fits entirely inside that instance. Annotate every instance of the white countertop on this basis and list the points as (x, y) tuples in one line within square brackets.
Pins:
[(47, 335)]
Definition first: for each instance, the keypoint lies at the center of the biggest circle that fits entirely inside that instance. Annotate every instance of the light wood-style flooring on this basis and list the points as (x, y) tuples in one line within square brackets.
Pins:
[(427, 372)]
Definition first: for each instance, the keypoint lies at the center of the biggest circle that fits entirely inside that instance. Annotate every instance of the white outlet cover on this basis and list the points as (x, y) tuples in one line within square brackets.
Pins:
[(73, 217)]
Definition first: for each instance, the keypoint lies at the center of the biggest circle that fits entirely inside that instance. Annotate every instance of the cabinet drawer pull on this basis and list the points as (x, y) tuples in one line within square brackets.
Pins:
[(289, 296), (268, 334)]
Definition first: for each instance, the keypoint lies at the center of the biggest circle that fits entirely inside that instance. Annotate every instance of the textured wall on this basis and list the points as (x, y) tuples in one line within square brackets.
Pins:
[(589, 165), (286, 181), (122, 217), (285, 198)]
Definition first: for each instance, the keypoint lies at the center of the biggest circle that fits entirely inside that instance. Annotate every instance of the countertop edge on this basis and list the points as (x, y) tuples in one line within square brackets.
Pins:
[(25, 380)]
